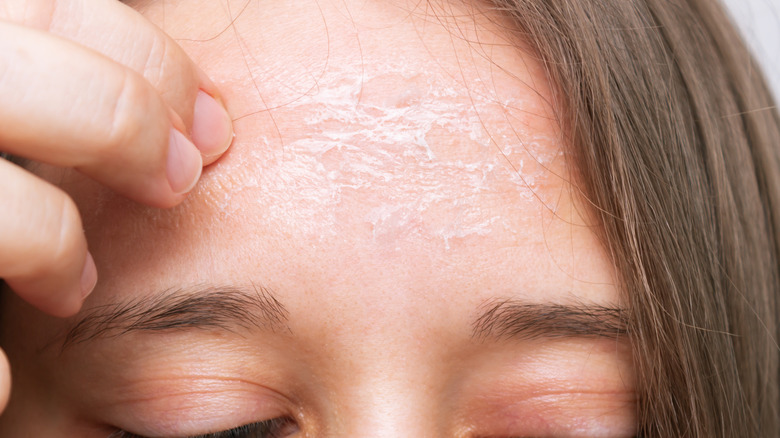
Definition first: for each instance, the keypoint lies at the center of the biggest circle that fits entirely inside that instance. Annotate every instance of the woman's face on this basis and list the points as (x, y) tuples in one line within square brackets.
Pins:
[(394, 246)]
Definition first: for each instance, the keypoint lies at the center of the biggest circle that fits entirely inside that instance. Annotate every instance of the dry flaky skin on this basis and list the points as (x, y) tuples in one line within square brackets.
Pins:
[(399, 129), (407, 158), (393, 170)]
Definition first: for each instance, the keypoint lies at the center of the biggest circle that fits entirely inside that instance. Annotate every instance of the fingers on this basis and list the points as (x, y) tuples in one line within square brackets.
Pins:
[(212, 128), (43, 251), (91, 84), (121, 34), (117, 129)]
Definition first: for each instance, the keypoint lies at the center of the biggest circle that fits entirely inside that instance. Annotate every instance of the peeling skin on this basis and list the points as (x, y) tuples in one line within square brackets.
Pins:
[(422, 152), (410, 143)]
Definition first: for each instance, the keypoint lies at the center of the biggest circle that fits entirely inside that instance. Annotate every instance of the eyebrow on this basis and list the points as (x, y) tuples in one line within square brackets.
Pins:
[(198, 307), (513, 319), (231, 308)]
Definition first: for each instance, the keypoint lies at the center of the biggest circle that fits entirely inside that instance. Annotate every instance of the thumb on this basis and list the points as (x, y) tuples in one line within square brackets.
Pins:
[(5, 380)]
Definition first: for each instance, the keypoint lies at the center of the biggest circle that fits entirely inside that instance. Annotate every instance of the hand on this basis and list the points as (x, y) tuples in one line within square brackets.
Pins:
[(90, 84)]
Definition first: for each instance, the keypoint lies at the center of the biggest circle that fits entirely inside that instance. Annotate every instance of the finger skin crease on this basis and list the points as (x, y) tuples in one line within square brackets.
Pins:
[(123, 124), (153, 68), (64, 221)]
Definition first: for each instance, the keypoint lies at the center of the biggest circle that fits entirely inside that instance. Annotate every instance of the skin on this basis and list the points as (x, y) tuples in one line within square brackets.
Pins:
[(382, 247)]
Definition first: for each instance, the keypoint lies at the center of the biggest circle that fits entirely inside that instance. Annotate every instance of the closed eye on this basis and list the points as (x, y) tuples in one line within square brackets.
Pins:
[(279, 427)]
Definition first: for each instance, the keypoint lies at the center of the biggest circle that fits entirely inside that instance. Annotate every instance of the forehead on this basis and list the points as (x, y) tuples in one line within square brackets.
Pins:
[(379, 146)]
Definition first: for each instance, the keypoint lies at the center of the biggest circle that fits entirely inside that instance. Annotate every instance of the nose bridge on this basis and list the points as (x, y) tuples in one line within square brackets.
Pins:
[(385, 375), (386, 405), (387, 387)]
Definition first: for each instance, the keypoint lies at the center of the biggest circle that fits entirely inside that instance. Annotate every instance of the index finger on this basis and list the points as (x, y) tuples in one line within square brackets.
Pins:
[(120, 33)]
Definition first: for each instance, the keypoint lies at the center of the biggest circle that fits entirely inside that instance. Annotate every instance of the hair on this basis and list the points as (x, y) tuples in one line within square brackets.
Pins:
[(676, 143)]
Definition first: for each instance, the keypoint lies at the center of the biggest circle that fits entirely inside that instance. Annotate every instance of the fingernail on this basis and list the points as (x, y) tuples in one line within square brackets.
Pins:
[(88, 276), (184, 163), (212, 129)]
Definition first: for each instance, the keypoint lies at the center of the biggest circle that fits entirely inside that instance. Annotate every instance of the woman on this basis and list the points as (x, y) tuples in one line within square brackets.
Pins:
[(538, 218)]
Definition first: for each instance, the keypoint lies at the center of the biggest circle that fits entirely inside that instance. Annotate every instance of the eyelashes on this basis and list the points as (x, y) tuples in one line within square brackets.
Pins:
[(279, 427)]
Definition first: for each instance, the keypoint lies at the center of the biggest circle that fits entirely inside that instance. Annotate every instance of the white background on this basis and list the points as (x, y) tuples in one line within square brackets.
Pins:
[(759, 21)]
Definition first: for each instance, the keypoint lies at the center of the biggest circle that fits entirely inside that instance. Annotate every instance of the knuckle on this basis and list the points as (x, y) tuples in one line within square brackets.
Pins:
[(38, 14), (157, 59), (166, 64), (169, 70), (127, 115), (62, 236)]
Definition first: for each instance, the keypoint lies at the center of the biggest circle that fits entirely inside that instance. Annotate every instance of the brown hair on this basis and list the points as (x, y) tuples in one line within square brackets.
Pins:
[(676, 140)]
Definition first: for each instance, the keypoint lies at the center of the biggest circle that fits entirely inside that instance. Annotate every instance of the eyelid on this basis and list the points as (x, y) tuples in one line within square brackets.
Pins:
[(173, 405), (258, 429), (562, 413)]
